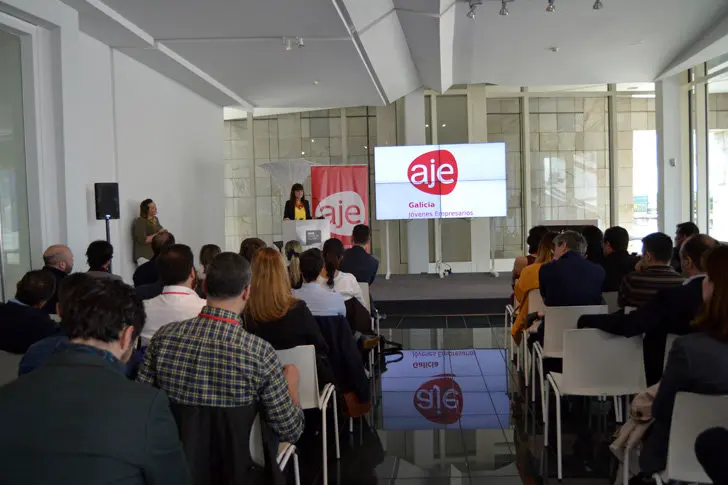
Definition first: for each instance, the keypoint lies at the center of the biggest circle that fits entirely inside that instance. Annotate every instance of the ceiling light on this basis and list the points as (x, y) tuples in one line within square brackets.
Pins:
[(504, 9), (427, 125), (474, 4), (313, 141), (299, 42), (287, 43), (303, 153), (550, 7), (598, 5), (444, 125), (316, 83)]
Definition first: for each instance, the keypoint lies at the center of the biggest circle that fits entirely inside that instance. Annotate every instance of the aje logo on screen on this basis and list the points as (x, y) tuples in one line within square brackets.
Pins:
[(440, 400), (434, 172)]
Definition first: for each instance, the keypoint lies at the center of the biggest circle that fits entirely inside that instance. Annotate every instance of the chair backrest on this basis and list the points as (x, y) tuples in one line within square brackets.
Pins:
[(365, 293), (597, 363), (558, 319), (535, 301), (692, 414), (669, 341), (611, 298), (257, 448), (8, 367), (304, 357), (629, 309)]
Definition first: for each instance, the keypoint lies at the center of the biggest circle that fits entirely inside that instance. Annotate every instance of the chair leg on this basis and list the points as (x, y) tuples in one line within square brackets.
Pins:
[(558, 435), (335, 410), (625, 467), (324, 446), (296, 472), (351, 425), (545, 411), (533, 378), (617, 409), (657, 478), (542, 380), (526, 363)]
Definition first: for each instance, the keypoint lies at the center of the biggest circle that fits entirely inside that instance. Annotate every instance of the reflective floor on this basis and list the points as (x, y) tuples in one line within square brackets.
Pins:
[(450, 409)]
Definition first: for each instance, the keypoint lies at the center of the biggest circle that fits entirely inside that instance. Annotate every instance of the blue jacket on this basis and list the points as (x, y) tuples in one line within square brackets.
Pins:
[(361, 264), (571, 281)]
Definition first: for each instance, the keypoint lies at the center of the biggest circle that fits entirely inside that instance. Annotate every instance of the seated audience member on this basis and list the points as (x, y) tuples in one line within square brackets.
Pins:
[(273, 314), (178, 300), (529, 282), (212, 361), (22, 322), (357, 260), (654, 274), (535, 234), (332, 278), (319, 300), (148, 273), (594, 244), (682, 232), (250, 246), (98, 256), (671, 311), (618, 263), (570, 280), (207, 254), (697, 363), (58, 261), (710, 450), (292, 252), (71, 436)]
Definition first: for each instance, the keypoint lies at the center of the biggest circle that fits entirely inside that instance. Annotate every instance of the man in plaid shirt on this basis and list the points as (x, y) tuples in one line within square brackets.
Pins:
[(210, 360)]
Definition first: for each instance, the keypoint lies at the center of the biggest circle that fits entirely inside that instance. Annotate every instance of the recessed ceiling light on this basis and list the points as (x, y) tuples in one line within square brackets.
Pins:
[(315, 83), (444, 125), (313, 141), (365, 147), (303, 153), (427, 125)]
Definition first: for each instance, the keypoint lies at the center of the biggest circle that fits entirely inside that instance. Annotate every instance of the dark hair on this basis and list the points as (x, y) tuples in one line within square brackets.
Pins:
[(535, 234), (333, 252), (98, 254), (617, 237), (292, 198), (250, 246), (35, 287), (360, 234), (687, 229), (144, 208), (175, 264), (100, 309), (68, 286), (311, 263), (695, 247), (594, 248), (161, 241), (227, 276), (208, 253), (713, 319), (659, 245)]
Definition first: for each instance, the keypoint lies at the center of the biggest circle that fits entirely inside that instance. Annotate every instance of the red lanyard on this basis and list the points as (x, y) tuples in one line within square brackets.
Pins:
[(176, 293), (219, 319)]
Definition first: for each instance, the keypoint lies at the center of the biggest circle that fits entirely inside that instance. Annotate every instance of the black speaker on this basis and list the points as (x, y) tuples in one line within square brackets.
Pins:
[(107, 200)]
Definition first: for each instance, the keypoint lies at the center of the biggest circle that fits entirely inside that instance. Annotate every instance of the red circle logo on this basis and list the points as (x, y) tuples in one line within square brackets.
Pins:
[(434, 172)]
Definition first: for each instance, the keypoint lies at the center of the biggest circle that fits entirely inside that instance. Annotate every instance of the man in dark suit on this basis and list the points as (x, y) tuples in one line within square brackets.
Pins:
[(357, 260), (22, 320), (670, 311), (78, 419), (570, 280), (148, 273), (58, 261), (617, 262), (682, 232)]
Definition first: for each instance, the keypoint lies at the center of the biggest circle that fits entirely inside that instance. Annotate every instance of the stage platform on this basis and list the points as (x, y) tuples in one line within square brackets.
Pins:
[(428, 295)]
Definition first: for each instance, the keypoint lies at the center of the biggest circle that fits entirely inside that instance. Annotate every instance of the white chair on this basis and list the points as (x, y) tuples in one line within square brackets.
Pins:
[(507, 325), (596, 364), (365, 294), (611, 298), (669, 341), (535, 304), (629, 309), (558, 320), (8, 367), (285, 451), (692, 414), (304, 357)]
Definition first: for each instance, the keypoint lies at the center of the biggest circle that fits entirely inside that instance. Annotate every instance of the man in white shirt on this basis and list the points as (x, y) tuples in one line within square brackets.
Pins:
[(321, 302), (178, 300)]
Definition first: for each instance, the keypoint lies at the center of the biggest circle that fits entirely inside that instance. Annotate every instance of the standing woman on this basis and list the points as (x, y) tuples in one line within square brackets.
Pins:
[(297, 208), (146, 226)]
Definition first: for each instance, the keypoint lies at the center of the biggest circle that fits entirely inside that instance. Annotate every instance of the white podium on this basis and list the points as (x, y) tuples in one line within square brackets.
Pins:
[(311, 234)]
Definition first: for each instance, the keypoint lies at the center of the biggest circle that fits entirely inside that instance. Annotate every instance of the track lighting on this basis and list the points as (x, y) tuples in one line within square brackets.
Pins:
[(598, 5), (550, 8), (474, 4), (289, 41), (504, 9)]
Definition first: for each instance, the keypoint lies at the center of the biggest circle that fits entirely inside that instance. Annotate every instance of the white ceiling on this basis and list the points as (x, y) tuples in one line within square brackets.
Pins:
[(368, 52)]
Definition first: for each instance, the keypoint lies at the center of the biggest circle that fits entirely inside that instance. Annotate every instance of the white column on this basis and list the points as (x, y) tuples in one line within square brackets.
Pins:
[(673, 162), (418, 242), (478, 133)]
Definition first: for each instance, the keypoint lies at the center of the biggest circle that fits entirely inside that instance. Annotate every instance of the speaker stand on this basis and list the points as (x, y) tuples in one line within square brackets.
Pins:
[(108, 233)]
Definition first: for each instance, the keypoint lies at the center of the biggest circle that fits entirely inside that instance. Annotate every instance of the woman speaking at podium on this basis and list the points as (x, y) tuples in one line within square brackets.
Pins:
[(297, 208)]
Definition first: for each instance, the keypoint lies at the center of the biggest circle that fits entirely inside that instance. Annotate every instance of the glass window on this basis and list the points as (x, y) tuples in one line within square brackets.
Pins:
[(569, 159), (14, 227), (717, 161)]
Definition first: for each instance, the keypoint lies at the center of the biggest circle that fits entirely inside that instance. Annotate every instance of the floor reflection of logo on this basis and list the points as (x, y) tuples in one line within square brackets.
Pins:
[(440, 400)]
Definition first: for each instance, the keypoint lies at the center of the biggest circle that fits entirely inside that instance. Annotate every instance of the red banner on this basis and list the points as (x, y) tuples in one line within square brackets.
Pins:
[(341, 195)]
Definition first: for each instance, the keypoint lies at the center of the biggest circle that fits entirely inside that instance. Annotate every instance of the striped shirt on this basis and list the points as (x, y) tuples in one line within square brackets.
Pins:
[(639, 287), (210, 360)]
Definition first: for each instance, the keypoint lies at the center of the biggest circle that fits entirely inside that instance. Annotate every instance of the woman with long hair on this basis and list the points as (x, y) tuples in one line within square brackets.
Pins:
[(332, 278), (207, 254), (533, 240), (297, 208), (529, 282), (292, 251), (594, 244), (146, 226), (697, 363), (273, 314)]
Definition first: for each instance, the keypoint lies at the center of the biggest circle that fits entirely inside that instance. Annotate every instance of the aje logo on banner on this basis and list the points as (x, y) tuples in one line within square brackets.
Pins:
[(440, 181), (340, 195)]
